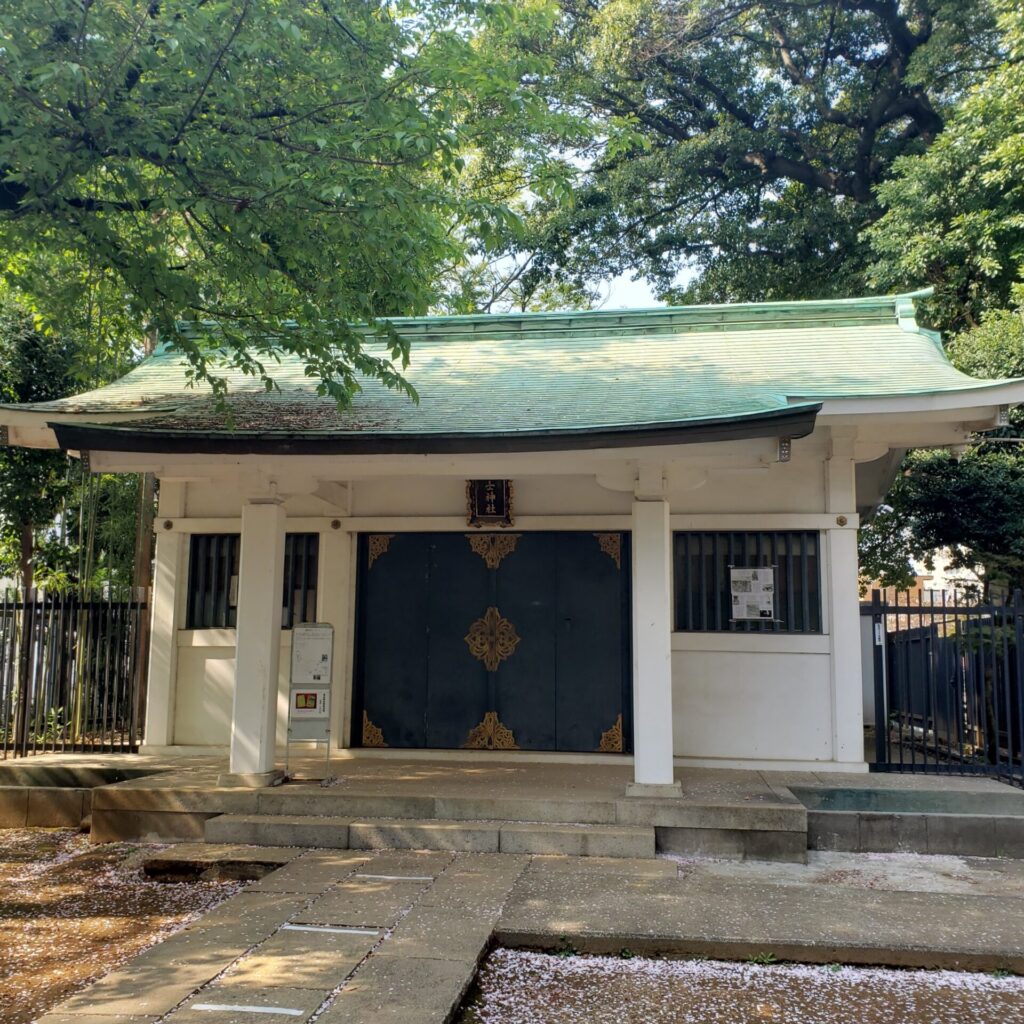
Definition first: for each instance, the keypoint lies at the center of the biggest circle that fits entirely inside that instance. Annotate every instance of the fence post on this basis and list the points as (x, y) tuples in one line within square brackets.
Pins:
[(1017, 766), (878, 648), (21, 718)]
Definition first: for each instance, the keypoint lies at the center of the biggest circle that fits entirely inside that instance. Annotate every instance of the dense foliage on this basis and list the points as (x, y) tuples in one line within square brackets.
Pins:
[(955, 220), (741, 142), (276, 171), (969, 502), (34, 367)]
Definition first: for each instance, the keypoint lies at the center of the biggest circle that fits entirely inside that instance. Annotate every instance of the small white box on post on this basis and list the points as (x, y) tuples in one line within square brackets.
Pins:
[(309, 686)]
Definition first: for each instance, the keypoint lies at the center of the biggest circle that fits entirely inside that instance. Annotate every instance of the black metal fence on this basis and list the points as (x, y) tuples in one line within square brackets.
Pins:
[(948, 677), (72, 672)]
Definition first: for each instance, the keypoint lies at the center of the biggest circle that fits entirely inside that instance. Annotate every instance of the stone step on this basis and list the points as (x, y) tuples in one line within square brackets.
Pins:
[(580, 840), (278, 830), (309, 799)]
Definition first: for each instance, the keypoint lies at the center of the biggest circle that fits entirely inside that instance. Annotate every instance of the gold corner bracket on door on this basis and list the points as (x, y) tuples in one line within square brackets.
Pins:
[(492, 639), (490, 734), (611, 739), (376, 545), (611, 545), (373, 736)]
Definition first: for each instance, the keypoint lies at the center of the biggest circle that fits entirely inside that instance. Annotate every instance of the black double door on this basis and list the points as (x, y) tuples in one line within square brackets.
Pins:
[(493, 641)]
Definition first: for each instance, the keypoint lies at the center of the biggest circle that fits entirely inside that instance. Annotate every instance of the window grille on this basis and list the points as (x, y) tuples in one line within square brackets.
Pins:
[(301, 556), (703, 597), (213, 580)]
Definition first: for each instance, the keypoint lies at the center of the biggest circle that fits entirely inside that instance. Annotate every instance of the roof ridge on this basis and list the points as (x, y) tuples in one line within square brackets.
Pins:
[(895, 308)]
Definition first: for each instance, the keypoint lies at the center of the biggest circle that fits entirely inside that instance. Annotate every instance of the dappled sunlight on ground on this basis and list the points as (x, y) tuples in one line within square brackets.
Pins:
[(70, 912)]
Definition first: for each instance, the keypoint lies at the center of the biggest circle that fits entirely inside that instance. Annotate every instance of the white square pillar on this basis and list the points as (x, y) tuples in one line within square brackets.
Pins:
[(847, 682), (168, 579), (652, 651), (258, 639)]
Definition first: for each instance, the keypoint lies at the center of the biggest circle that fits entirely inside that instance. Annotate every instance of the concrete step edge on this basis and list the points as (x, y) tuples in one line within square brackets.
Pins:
[(313, 820), (582, 839)]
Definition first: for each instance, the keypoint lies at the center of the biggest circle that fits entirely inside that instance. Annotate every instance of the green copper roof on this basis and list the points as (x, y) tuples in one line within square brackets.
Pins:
[(565, 372)]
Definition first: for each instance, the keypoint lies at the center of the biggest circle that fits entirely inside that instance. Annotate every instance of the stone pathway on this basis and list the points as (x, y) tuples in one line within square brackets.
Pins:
[(346, 937), (401, 931)]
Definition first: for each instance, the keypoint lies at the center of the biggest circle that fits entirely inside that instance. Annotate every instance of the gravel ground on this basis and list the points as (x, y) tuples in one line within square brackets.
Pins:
[(516, 987), (70, 912)]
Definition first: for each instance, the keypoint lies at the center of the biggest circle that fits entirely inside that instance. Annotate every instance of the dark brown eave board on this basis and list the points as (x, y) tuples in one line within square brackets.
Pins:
[(797, 422)]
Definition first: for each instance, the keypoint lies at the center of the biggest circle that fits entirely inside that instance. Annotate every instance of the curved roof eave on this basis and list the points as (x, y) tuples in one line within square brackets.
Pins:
[(794, 421), (994, 393)]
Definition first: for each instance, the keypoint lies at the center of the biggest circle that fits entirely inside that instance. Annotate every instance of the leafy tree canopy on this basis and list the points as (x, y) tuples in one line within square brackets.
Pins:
[(274, 170), (742, 140), (955, 215), (955, 219), (970, 502), (34, 367)]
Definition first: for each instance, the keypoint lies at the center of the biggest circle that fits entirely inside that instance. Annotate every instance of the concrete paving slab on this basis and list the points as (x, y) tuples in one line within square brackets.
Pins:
[(471, 893), (438, 933), (877, 872), (406, 990), (91, 1018), (409, 862), (144, 991), (642, 867), (738, 917), (489, 863), (362, 902), (299, 959), (278, 1005), (314, 872), (250, 913)]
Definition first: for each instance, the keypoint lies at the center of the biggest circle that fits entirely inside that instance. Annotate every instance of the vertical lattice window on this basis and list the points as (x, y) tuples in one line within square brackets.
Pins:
[(213, 580), (703, 595), (301, 555)]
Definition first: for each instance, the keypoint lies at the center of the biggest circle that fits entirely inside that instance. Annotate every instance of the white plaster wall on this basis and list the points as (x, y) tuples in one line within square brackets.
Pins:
[(206, 679), (446, 496), (750, 700), (776, 487), (735, 697)]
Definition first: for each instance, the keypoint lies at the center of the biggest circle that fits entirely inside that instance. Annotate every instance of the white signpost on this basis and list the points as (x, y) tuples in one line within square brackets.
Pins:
[(753, 594), (309, 685)]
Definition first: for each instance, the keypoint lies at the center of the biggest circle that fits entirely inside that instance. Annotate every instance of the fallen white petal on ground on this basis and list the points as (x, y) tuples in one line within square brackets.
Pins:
[(520, 987)]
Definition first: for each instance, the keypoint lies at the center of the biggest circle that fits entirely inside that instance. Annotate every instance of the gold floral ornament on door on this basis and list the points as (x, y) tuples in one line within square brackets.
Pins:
[(493, 547), (492, 639)]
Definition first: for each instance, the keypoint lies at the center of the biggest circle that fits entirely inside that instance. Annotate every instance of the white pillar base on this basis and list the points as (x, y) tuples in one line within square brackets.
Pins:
[(251, 780), (655, 789)]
